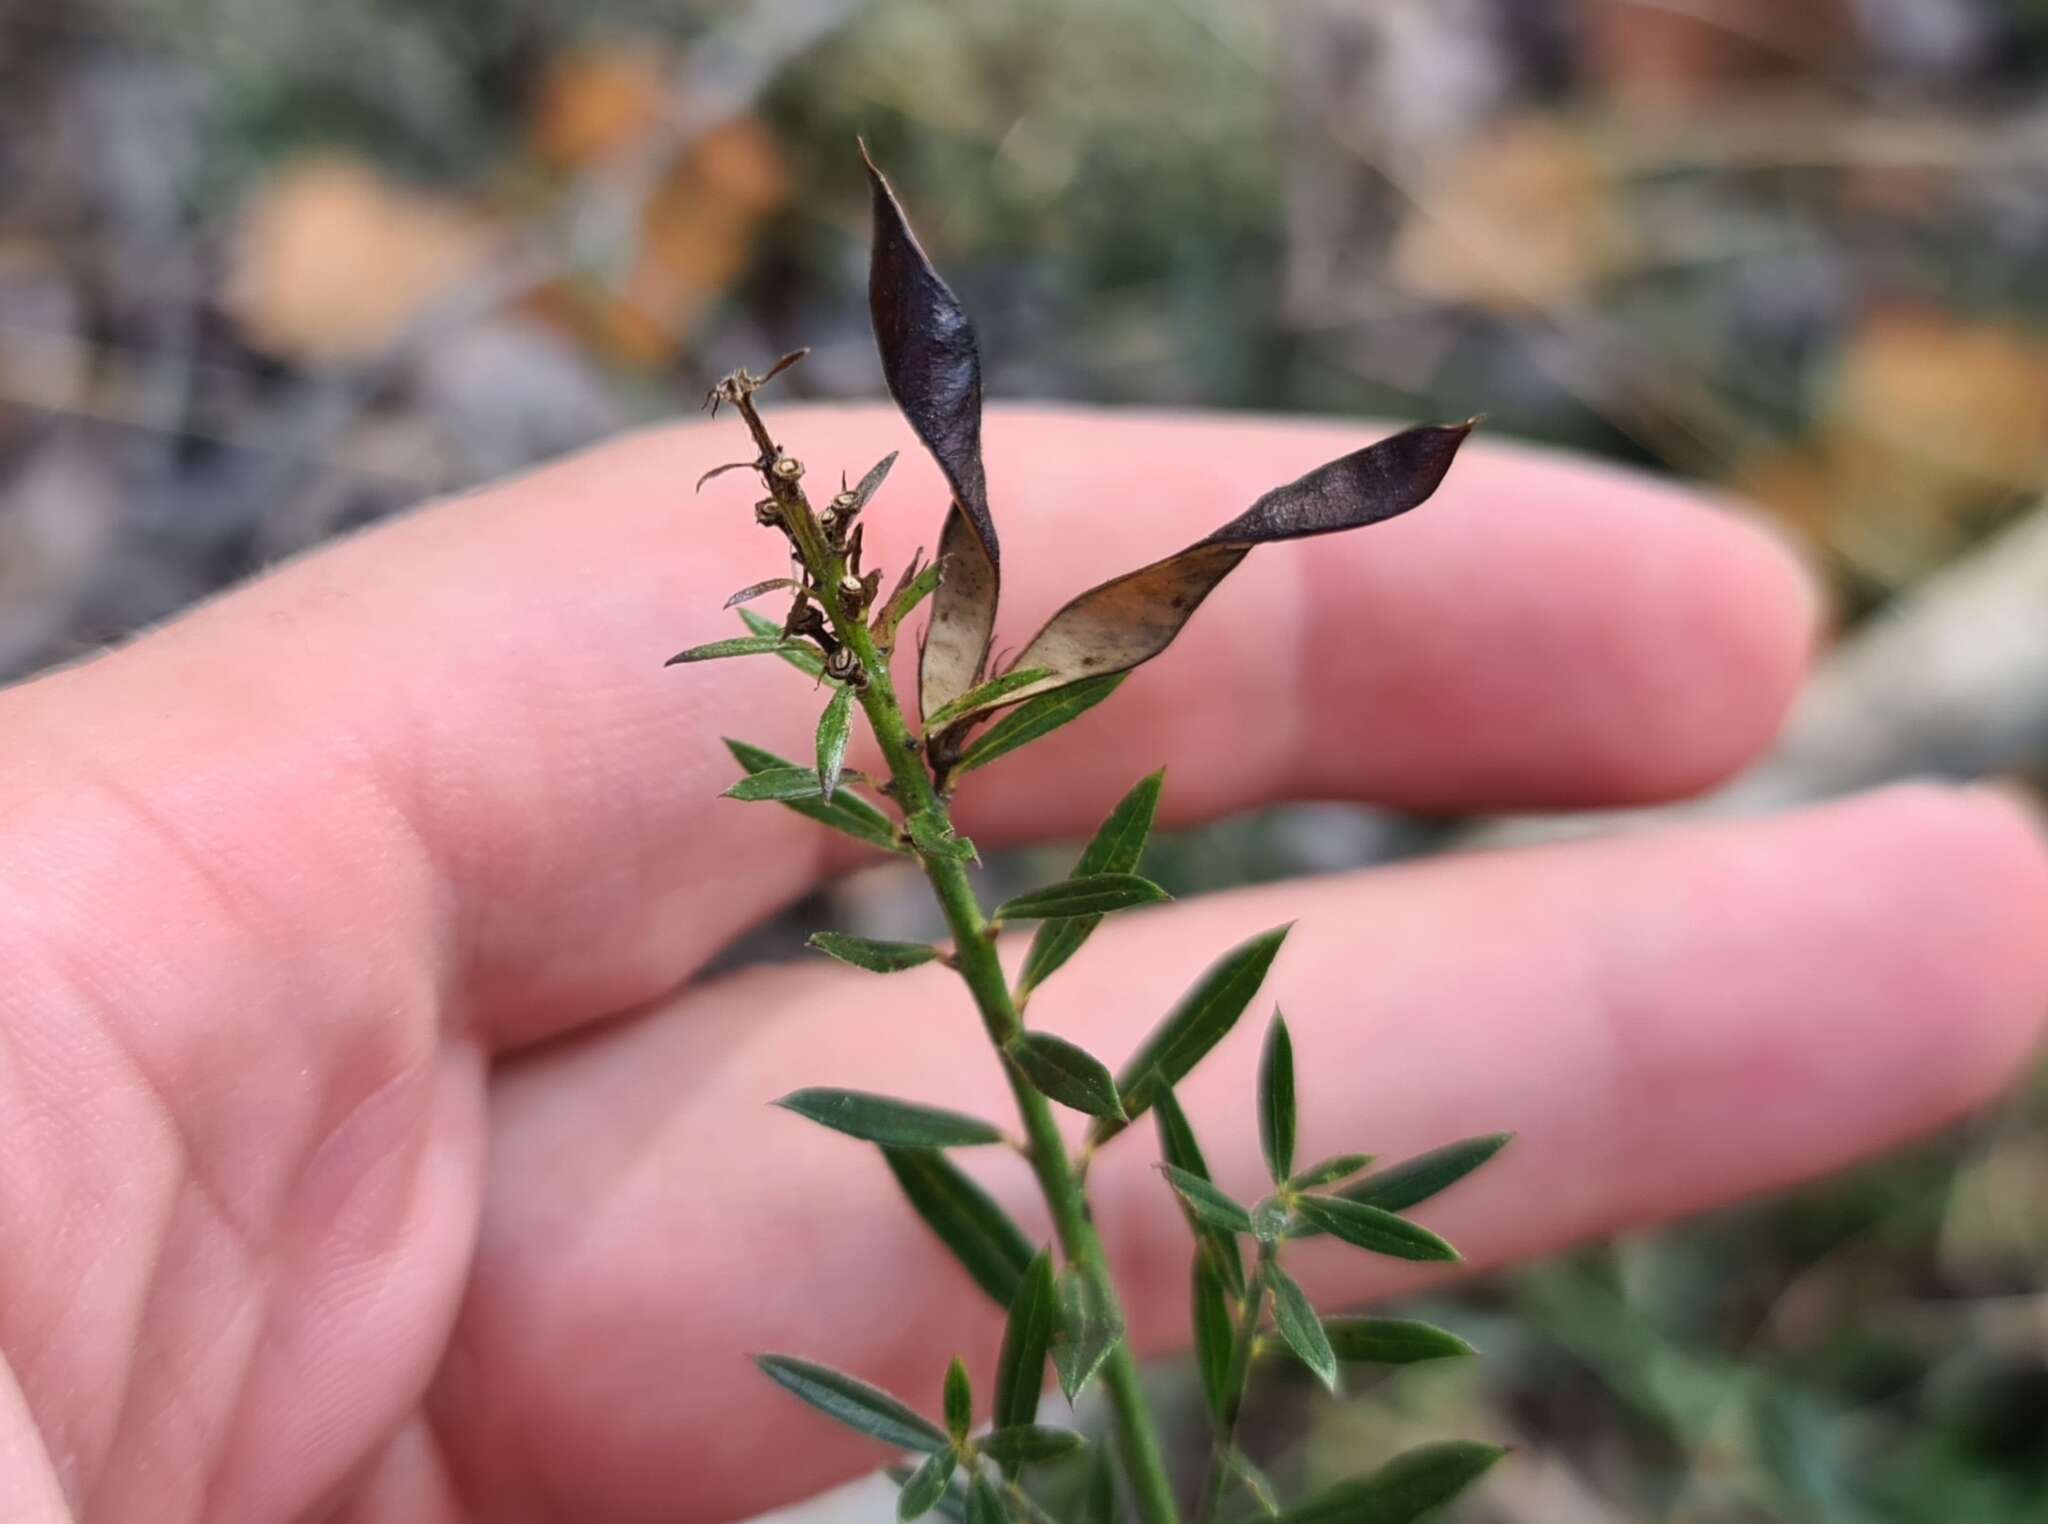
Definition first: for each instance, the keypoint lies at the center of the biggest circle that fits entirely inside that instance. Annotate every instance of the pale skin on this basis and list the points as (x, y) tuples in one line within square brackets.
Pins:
[(373, 1151)]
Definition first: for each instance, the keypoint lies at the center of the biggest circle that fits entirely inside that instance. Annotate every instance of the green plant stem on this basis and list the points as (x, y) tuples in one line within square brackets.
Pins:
[(1235, 1378), (978, 965)]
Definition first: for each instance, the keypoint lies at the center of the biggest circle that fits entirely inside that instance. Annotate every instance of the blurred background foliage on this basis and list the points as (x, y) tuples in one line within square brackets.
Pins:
[(272, 268)]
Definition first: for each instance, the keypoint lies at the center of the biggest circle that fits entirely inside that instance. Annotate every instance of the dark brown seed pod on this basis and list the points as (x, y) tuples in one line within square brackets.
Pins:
[(1132, 618), (933, 368)]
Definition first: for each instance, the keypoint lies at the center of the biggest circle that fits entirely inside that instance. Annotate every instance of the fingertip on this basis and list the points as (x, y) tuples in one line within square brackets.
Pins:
[(1973, 864), (1745, 627)]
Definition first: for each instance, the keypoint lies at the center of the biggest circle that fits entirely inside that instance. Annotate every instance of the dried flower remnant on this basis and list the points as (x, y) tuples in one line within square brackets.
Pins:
[(1061, 1301)]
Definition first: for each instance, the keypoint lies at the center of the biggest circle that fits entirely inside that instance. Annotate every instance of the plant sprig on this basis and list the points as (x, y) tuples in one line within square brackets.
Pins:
[(1060, 1300)]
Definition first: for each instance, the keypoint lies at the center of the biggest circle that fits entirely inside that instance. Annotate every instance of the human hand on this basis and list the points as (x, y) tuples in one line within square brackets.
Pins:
[(363, 1161)]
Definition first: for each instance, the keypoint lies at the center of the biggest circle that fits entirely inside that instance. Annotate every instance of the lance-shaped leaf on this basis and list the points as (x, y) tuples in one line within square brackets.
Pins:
[(1195, 1025), (1408, 1487), (803, 657), (1206, 1201), (870, 484), (924, 1487), (749, 594), (1028, 1445), (966, 1218), (985, 1504), (847, 812), (1027, 1337), (982, 696), (1324, 1172), (1210, 1306), (1101, 1504), (1116, 848), (876, 957), (933, 369), (780, 785), (959, 1401), (1090, 1325), (1131, 619), (1065, 1073), (1177, 1146), (835, 726), (1276, 1100), (1373, 1228), (1413, 1181), (1391, 1341), (890, 1122), (854, 1403), (917, 585), (1300, 1327), (1035, 718), (1093, 895), (739, 645)]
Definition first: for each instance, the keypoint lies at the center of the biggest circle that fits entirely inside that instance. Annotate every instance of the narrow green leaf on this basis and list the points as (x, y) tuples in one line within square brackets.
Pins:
[(1408, 1487), (847, 812), (1300, 1327), (749, 593), (1101, 1505), (1415, 1180), (926, 1485), (1035, 718), (1177, 1147), (876, 957), (914, 589), (1027, 1336), (892, 1123), (1207, 1202), (1255, 1481), (1065, 1073), (959, 1401), (1276, 1100), (1194, 1026), (1090, 1326), (780, 785), (803, 657), (742, 645), (1213, 1331), (1328, 1172), (966, 1218), (1116, 848), (933, 837), (1369, 1227), (985, 696), (1391, 1341), (985, 1505), (835, 726), (1096, 895), (1028, 1445), (853, 1402)]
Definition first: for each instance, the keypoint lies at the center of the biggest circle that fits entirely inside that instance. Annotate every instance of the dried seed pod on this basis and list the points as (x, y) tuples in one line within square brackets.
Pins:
[(1132, 618), (933, 368), (842, 665)]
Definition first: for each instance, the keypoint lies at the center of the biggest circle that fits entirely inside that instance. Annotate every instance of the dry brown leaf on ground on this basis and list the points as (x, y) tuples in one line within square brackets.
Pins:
[(1683, 56), (595, 102), (332, 261), (697, 236), (1925, 425), (1525, 219)]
